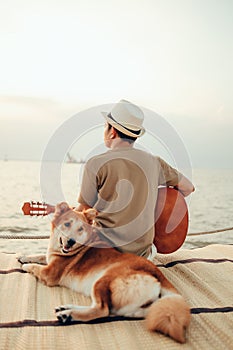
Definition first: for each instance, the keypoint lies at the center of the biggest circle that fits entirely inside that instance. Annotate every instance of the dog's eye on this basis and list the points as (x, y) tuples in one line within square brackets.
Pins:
[(80, 229), (67, 224)]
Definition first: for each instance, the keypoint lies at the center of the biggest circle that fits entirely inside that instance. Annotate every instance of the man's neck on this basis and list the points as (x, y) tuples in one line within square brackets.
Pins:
[(120, 143)]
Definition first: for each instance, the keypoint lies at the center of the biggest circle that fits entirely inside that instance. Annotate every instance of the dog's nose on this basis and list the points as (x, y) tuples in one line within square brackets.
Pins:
[(71, 242)]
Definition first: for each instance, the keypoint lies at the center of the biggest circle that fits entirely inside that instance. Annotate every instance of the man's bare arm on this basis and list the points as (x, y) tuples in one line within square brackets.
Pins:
[(185, 186), (82, 207)]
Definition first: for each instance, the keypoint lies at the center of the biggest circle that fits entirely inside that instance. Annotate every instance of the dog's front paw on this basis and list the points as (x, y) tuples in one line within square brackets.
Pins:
[(26, 267), (63, 315)]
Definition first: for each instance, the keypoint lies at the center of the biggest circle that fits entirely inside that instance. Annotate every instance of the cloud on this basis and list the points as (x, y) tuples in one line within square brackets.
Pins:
[(25, 108)]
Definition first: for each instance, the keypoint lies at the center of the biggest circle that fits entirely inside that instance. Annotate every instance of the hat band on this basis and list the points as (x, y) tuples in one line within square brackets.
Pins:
[(136, 132)]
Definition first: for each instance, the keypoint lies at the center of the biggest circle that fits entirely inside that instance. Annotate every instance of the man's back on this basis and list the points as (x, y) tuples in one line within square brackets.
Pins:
[(122, 184)]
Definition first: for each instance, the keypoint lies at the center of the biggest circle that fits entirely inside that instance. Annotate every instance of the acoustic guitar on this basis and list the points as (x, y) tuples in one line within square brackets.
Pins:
[(171, 218)]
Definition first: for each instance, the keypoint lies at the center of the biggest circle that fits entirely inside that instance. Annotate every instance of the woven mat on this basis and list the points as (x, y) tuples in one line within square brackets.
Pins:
[(204, 277)]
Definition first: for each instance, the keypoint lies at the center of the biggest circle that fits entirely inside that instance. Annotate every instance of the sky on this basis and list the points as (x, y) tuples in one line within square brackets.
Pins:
[(60, 57)]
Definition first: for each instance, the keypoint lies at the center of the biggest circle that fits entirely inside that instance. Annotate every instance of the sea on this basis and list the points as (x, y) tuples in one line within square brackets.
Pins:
[(210, 206)]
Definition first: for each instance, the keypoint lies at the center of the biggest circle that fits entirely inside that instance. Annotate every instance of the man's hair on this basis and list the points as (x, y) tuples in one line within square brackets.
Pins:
[(129, 139)]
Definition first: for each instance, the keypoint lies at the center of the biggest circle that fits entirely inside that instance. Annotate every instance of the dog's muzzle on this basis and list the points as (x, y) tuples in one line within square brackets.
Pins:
[(69, 244)]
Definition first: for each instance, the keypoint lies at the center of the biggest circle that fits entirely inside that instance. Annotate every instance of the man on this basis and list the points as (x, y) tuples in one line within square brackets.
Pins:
[(122, 184)]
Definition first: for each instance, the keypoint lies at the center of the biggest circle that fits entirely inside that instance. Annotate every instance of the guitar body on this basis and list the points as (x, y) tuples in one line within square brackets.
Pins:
[(171, 220)]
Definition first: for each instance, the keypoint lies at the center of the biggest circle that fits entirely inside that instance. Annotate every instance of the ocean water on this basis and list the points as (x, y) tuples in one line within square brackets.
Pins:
[(210, 207)]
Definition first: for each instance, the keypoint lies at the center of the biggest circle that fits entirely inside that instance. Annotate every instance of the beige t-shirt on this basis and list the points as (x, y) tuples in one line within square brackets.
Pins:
[(122, 184)]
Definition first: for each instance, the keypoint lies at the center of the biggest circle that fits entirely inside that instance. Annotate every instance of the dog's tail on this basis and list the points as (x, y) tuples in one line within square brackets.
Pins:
[(169, 315)]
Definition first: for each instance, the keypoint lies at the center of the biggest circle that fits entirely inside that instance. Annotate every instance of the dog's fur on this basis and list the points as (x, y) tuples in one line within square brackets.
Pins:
[(119, 284)]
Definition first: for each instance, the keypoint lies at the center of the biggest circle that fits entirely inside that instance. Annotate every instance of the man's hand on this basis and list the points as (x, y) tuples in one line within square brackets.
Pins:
[(50, 209)]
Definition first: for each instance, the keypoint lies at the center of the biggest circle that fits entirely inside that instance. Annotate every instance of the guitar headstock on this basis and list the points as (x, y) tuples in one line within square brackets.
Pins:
[(35, 208)]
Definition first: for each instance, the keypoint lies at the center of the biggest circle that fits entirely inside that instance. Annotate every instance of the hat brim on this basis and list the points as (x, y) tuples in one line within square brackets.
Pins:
[(121, 128)]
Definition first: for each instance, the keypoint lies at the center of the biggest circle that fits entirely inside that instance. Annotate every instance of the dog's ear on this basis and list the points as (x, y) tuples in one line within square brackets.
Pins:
[(61, 208), (90, 214)]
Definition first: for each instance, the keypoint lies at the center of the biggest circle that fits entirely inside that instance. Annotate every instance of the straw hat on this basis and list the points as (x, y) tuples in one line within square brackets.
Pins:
[(127, 118)]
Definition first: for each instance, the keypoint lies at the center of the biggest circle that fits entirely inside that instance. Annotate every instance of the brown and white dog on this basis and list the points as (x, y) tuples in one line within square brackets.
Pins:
[(119, 284)]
